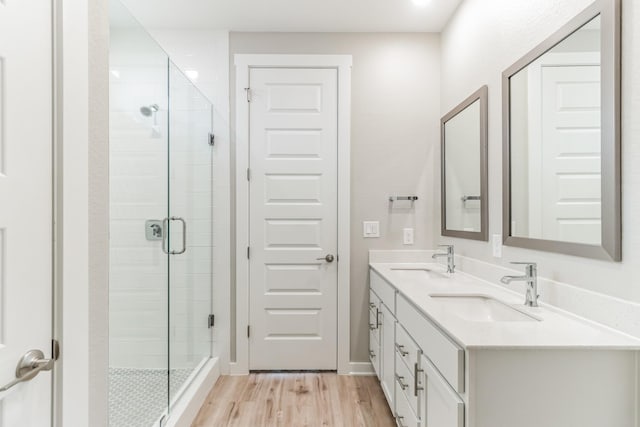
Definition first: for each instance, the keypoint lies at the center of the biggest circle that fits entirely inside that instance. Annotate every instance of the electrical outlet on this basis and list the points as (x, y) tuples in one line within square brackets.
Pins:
[(370, 229), (497, 245), (407, 236)]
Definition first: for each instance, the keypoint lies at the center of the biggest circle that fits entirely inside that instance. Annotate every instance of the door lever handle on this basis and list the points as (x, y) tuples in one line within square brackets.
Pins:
[(30, 365), (328, 258)]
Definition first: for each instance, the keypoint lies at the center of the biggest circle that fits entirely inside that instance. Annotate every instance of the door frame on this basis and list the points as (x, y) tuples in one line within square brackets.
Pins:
[(243, 64)]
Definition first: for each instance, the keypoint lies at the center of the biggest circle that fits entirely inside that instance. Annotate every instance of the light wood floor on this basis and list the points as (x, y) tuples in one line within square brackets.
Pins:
[(295, 400)]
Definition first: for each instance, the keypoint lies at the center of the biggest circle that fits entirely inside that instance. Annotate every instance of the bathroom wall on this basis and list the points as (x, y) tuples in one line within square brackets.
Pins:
[(395, 131), (484, 38)]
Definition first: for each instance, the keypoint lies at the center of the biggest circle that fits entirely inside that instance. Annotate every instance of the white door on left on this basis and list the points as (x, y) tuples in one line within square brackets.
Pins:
[(25, 209)]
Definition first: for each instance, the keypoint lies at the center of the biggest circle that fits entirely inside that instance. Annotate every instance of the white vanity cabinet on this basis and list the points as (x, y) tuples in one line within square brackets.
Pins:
[(432, 380), (399, 360), (382, 296)]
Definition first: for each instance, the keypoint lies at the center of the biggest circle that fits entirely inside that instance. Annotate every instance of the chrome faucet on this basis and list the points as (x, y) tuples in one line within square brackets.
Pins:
[(450, 257), (531, 277)]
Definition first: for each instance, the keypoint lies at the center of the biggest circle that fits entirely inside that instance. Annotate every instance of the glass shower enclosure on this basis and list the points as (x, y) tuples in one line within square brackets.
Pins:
[(161, 241)]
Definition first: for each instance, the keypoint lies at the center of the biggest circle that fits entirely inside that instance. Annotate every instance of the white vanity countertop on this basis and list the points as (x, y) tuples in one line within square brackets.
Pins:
[(556, 329)]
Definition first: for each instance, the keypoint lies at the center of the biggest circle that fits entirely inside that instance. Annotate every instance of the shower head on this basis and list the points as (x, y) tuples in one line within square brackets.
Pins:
[(148, 110)]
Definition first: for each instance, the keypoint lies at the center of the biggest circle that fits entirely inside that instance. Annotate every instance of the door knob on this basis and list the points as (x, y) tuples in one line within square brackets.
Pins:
[(328, 258), (30, 365)]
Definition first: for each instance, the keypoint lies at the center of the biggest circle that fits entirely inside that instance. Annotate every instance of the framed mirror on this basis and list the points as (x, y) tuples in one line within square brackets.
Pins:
[(464, 169), (561, 140)]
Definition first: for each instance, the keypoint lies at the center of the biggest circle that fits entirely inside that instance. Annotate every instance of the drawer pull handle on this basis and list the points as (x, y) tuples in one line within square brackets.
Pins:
[(372, 304), (401, 350), (400, 418), (372, 354), (416, 387), (403, 386), (372, 327)]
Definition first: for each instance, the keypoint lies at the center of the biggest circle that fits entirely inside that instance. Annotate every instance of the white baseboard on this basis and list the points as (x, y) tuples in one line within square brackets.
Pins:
[(355, 368), (360, 368), (185, 411), (236, 369)]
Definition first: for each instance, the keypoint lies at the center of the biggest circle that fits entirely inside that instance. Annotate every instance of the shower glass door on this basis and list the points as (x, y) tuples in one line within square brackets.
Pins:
[(191, 230)]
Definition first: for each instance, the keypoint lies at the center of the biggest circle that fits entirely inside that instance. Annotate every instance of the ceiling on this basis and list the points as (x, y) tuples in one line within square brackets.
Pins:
[(295, 15)]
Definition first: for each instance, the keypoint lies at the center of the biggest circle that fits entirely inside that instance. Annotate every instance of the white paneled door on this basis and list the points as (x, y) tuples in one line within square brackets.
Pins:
[(293, 209), (571, 141), (25, 212)]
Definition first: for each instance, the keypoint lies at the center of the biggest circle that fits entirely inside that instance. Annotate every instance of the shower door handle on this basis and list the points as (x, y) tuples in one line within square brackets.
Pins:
[(184, 235), (165, 226)]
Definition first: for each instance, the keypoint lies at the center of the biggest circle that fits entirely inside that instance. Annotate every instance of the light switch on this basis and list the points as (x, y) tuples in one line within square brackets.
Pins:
[(370, 229), (407, 236)]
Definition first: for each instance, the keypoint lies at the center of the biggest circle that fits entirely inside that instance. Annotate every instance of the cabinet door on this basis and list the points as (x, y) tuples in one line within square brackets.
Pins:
[(387, 345), (442, 406), (374, 334)]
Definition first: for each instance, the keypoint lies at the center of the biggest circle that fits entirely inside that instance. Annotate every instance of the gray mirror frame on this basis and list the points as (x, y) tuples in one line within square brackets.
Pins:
[(482, 95), (611, 246)]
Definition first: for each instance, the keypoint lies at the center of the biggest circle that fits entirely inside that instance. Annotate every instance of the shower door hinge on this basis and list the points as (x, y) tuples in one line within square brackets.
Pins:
[(212, 139), (248, 252), (248, 90), (248, 331), (211, 321)]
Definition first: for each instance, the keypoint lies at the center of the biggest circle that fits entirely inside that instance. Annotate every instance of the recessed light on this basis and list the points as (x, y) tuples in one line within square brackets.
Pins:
[(421, 3)]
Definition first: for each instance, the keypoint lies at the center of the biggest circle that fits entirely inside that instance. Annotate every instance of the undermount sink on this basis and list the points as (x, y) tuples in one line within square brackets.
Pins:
[(482, 308), (418, 273)]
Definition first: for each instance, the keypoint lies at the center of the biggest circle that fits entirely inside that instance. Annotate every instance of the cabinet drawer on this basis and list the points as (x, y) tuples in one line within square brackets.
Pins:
[(407, 380), (443, 407), (405, 417), (447, 357), (406, 348), (383, 290)]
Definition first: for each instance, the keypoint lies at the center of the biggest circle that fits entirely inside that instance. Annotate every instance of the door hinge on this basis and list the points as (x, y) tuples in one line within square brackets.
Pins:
[(248, 174), (55, 349), (211, 321), (248, 331), (248, 252), (212, 139), (248, 91)]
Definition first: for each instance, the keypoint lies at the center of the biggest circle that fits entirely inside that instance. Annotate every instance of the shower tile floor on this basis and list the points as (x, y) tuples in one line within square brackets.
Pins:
[(138, 397)]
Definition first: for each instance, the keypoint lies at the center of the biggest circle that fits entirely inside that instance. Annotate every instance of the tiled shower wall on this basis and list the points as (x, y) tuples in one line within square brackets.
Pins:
[(138, 302)]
